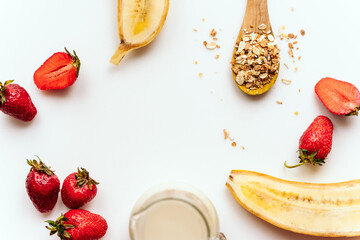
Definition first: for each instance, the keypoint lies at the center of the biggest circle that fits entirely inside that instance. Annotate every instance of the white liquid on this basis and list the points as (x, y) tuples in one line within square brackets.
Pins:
[(171, 220)]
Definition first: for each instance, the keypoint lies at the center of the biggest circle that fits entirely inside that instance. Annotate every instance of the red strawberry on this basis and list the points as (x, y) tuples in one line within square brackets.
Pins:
[(58, 72), (16, 102), (42, 186), (78, 224), (341, 98), (315, 143), (78, 189)]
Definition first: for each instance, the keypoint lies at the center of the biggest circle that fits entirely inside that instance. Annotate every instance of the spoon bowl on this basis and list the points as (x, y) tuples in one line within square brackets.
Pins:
[(256, 21)]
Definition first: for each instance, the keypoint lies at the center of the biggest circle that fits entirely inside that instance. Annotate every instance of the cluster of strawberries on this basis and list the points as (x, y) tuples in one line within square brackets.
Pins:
[(43, 188), (340, 98), (58, 72)]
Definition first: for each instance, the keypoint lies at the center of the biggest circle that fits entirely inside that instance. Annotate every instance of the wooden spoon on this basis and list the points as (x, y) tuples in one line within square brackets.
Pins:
[(256, 15)]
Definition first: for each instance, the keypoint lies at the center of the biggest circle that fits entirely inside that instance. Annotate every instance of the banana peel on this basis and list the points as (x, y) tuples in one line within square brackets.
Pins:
[(139, 22), (318, 209)]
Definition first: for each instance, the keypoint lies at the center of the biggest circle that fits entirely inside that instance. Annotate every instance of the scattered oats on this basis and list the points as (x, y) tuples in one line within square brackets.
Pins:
[(211, 45), (233, 144), (215, 39), (291, 45), (200, 75), (217, 56), (205, 43), (203, 19), (286, 81), (217, 46), (291, 35), (213, 33), (279, 102), (262, 26), (281, 39), (295, 37), (299, 58), (299, 90), (297, 48), (226, 134), (242, 147), (296, 113), (302, 32), (286, 66), (195, 30), (196, 62), (295, 42), (296, 69)]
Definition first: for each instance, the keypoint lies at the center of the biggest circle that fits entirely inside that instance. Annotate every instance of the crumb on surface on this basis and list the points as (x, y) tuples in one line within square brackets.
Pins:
[(279, 102), (196, 62), (296, 113), (226, 134), (217, 56), (213, 32), (233, 144), (302, 32), (242, 147), (195, 30), (200, 75)]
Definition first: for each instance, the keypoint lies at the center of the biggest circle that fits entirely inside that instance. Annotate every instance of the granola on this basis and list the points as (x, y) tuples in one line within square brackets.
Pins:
[(256, 59)]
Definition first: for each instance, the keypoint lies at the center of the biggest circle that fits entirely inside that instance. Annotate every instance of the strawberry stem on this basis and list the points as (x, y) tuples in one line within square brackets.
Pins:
[(2, 90), (76, 61), (293, 166), (83, 178), (60, 227), (40, 166)]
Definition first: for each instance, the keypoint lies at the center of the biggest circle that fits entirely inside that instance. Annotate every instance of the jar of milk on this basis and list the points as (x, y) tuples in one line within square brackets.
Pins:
[(174, 211)]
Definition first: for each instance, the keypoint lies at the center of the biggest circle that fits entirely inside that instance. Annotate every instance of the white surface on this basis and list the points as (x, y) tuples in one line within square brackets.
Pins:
[(152, 119)]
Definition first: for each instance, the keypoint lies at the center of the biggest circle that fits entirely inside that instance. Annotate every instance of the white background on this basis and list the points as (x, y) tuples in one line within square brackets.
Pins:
[(152, 120)]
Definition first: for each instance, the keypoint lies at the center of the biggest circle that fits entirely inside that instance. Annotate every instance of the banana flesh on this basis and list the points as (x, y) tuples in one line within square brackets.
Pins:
[(139, 22), (328, 210)]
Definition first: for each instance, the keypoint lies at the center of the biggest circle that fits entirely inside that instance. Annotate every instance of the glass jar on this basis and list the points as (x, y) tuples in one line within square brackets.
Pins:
[(174, 211)]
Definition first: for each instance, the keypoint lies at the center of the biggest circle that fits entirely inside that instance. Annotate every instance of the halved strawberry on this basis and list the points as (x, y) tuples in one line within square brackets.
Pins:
[(341, 98), (58, 72)]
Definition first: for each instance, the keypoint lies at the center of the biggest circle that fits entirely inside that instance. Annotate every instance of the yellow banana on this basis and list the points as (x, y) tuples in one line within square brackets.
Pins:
[(139, 22), (330, 210)]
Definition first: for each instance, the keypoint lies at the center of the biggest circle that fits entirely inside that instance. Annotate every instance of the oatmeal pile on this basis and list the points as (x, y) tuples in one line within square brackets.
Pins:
[(256, 59)]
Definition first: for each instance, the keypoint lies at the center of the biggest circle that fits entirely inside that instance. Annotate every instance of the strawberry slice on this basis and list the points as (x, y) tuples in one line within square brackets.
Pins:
[(341, 98), (58, 72)]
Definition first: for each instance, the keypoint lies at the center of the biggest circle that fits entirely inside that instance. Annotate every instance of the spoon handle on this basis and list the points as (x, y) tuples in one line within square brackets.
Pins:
[(255, 15)]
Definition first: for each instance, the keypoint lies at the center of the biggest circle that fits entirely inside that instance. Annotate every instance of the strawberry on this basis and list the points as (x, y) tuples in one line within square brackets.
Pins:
[(42, 186), (78, 224), (16, 102), (341, 98), (315, 143), (58, 72), (78, 189)]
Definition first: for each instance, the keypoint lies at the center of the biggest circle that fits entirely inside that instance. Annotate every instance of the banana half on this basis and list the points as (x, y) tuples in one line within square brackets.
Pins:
[(328, 210), (139, 22)]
